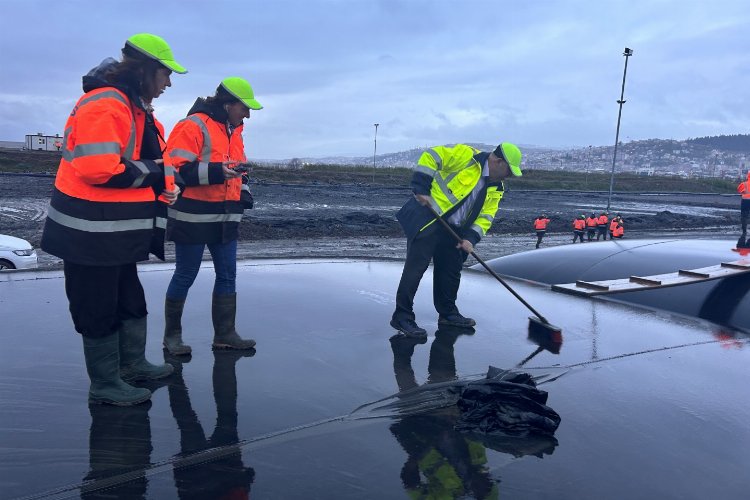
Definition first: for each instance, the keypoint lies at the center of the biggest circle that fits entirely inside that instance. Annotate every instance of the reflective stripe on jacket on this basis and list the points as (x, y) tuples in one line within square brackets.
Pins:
[(209, 210), (449, 175), (103, 209), (541, 224)]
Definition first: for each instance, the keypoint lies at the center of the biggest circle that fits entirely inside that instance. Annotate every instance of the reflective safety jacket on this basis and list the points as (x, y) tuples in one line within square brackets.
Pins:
[(540, 224), (450, 175), (209, 210), (613, 225), (618, 231), (103, 209), (602, 220), (744, 188), (592, 222), (579, 225)]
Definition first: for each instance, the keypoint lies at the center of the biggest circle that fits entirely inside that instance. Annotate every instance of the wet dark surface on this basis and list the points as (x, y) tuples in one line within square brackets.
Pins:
[(724, 301), (652, 404)]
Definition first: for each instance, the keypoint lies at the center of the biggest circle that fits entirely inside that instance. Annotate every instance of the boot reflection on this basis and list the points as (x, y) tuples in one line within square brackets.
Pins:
[(119, 443), (441, 462), (227, 476)]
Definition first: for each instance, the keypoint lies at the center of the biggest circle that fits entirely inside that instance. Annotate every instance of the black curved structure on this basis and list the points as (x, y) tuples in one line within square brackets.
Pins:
[(723, 301)]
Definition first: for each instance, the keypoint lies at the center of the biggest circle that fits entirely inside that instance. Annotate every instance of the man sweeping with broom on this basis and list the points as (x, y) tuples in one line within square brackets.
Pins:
[(463, 186)]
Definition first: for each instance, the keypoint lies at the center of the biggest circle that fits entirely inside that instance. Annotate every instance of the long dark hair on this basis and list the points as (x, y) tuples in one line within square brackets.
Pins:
[(220, 98), (136, 70)]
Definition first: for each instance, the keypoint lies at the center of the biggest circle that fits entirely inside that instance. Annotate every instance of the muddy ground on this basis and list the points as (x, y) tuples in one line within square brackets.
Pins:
[(319, 219)]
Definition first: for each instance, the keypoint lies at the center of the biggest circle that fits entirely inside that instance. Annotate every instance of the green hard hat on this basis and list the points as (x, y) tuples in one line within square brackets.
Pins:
[(241, 89), (511, 154), (156, 48)]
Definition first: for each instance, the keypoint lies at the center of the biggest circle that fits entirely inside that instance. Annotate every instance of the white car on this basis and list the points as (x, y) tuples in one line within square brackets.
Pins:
[(16, 253)]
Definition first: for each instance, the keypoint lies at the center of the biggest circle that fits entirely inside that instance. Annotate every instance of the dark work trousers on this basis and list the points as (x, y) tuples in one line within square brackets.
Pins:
[(101, 297), (590, 233), (539, 237), (602, 231), (577, 235), (437, 245), (744, 214)]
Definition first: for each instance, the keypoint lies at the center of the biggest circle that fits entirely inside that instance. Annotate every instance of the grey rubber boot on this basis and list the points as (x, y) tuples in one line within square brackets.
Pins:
[(173, 327), (133, 363), (103, 366), (223, 313)]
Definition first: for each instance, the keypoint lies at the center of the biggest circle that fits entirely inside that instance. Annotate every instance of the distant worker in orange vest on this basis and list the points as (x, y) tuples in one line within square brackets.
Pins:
[(592, 222), (540, 225), (613, 225), (579, 224), (744, 189), (603, 222), (619, 229)]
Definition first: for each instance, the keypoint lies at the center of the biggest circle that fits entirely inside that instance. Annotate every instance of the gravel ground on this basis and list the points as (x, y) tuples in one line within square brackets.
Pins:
[(343, 220)]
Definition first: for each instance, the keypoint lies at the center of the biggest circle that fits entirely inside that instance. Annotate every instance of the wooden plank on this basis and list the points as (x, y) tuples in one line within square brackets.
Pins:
[(736, 265), (693, 274), (591, 285), (645, 281)]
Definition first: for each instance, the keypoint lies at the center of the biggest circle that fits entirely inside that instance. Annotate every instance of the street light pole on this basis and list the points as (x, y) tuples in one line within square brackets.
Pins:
[(375, 152), (628, 52)]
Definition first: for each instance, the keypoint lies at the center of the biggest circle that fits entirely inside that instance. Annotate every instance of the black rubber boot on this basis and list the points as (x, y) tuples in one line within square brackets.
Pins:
[(223, 314), (103, 366), (133, 363), (173, 327)]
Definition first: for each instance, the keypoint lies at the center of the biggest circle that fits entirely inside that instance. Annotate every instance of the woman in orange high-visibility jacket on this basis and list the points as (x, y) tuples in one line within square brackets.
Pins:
[(744, 189), (206, 147), (540, 225), (103, 213), (579, 225)]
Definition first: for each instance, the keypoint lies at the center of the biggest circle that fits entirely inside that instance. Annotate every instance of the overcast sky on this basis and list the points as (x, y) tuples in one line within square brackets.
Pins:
[(429, 72)]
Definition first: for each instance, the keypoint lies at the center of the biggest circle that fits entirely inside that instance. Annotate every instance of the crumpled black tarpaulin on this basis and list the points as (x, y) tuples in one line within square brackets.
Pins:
[(506, 403)]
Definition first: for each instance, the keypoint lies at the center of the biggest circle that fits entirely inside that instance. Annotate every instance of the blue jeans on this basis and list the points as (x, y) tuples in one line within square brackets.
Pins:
[(188, 263)]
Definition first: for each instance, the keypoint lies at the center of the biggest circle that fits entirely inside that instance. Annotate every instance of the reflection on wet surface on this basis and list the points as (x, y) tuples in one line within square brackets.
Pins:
[(651, 404)]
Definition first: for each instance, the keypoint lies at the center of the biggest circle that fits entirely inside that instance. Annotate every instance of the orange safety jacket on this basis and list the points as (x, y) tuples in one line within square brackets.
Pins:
[(209, 210), (744, 188), (612, 225), (103, 210), (591, 222), (619, 231), (579, 225), (541, 224), (602, 220)]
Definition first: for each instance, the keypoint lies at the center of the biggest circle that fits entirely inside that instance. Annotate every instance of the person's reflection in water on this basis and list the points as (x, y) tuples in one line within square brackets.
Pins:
[(119, 443), (441, 463), (225, 477)]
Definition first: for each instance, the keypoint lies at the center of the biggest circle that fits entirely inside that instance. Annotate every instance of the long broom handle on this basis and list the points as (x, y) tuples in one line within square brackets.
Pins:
[(493, 273)]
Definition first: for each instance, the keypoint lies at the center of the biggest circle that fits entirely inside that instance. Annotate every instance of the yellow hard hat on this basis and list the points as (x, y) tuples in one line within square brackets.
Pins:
[(512, 155), (156, 48), (241, 89)]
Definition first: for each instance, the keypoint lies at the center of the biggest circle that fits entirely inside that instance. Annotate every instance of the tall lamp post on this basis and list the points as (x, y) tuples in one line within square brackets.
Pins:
[(375, 151), (628, 52)]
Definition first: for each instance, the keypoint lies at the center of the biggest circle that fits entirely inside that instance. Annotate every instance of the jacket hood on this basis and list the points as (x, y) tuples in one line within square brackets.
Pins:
[(215, 112), (96, 79)]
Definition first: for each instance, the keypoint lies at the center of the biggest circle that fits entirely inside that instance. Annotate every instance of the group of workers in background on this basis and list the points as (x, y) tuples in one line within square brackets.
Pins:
[(594, 227)]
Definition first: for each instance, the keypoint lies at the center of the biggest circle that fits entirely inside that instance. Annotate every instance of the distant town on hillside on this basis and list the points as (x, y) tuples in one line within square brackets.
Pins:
[(724, 156)]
